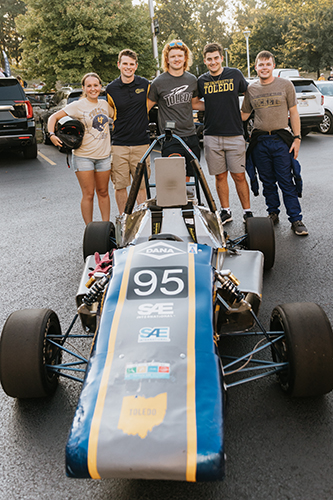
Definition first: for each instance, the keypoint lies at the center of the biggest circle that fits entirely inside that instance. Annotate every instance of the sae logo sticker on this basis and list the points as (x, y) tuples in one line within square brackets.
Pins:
[(161, 250), (156, 334)]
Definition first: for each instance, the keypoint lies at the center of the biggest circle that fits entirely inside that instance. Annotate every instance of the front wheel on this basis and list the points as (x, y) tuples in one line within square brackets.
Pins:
[(326, 126), (307, 347), (260, 236), (26, 353)]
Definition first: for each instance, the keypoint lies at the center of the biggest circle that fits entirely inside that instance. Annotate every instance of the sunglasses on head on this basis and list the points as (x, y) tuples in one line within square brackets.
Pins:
[(174, 44)]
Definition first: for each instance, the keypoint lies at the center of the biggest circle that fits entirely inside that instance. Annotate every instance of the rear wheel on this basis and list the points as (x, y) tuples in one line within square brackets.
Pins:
[(260, 236), (307, 346), (25, 353), (30, 152), (326, 126), (98, 237)]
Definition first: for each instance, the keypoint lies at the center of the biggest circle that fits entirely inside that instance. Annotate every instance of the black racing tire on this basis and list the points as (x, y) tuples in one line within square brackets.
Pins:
[(46, 137), (261, 236), (97, 238), (30, 152), (307, 347), (326, 126), (25, 352)]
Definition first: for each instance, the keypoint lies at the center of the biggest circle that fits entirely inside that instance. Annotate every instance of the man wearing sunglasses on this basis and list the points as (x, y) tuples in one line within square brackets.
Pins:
[(223, 131), (174, 91)]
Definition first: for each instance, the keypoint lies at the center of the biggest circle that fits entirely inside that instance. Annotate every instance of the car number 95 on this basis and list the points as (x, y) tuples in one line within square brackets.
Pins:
[(157, 282)]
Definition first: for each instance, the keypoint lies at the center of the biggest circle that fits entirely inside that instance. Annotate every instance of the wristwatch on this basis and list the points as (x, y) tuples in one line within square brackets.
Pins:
[(298, 137)]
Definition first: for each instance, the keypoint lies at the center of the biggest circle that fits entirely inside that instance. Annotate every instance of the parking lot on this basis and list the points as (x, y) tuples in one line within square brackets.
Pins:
[(276, 447)]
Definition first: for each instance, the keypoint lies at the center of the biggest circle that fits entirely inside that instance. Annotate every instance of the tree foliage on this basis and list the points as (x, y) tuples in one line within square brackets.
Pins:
[(64, 39), (9, 37), (299, 33), (196, 22)]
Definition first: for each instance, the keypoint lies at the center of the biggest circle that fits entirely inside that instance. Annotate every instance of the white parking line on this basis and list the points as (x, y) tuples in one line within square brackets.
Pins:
[(46, 158)]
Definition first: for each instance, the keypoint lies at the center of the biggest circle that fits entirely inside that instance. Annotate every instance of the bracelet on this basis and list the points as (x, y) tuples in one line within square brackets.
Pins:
[(298, 137), (51, 133)]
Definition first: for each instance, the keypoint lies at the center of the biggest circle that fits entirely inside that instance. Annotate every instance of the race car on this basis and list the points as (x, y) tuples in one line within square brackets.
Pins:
[(164, 295)]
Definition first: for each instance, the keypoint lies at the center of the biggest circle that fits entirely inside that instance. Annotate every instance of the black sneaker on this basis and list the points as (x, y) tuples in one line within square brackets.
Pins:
[(247, 215), (299, 228), (274, 218), (225, 216)]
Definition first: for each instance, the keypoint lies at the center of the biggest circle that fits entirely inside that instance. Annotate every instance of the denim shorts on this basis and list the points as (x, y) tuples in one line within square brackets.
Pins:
[(81, 164)]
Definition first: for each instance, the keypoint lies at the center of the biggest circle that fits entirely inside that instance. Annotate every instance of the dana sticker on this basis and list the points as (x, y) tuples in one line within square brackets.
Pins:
[(147, 370), (161, 250), (157, 334), (159, 310)]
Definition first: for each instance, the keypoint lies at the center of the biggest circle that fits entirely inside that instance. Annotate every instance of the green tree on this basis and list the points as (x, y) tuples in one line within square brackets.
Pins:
[(196, 22), (300, 34), (9, 38), (63, 39)]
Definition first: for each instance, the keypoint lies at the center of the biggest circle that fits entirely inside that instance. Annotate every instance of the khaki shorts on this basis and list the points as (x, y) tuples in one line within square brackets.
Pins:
[(225, 153), (124, 160)]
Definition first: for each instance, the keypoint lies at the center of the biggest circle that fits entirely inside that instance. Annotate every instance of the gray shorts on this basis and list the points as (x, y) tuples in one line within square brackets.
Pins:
[(225, 153), (81, 164)]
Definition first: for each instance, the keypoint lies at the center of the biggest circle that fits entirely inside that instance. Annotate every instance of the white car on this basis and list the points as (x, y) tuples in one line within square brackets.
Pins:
[(326, 88)]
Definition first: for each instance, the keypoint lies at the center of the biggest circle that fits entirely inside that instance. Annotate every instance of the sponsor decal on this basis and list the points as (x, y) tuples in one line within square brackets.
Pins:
[(139, 415), (161, 250), (137, 371), (157, 334), (192, 248), (159, 310)]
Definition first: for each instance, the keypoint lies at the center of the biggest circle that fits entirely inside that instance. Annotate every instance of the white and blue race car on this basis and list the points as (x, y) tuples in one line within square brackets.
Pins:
[(164, 298)]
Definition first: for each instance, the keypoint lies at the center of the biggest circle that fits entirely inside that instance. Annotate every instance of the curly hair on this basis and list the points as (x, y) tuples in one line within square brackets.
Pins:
[(176, 44)]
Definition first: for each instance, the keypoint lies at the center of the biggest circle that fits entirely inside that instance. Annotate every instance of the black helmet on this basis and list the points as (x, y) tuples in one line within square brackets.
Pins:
[(70, 131)]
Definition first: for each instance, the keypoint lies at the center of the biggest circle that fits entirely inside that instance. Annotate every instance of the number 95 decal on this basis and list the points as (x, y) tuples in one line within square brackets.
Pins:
[(157, 282)]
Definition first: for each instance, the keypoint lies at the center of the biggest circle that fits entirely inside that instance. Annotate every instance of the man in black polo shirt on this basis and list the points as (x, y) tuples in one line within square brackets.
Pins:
[(127, 94)]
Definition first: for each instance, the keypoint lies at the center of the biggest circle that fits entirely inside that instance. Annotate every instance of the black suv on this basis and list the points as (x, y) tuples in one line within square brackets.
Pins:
[(17, 124)]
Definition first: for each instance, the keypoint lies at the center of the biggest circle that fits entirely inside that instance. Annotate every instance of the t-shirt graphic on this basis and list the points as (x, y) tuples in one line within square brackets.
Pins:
[(178, 95), (99, 122)]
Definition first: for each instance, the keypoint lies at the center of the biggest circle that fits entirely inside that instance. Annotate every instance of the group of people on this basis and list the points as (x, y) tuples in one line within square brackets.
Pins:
[(273, 145)]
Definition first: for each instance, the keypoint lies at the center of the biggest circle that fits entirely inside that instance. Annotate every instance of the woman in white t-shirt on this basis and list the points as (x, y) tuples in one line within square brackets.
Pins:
[(92, 160)]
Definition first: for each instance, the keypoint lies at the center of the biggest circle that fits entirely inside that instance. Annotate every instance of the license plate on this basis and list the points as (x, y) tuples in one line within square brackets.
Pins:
[(303, 103)]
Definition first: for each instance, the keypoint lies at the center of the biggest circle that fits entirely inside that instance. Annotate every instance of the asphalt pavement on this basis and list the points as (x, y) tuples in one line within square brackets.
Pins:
[(277, 447)]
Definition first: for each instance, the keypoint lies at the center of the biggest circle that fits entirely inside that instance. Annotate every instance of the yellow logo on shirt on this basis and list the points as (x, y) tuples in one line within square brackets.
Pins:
[(138, 91)]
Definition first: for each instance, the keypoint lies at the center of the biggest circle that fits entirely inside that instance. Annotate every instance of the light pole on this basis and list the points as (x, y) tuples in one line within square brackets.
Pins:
[(226, 56), (246, 33), (154, 29)]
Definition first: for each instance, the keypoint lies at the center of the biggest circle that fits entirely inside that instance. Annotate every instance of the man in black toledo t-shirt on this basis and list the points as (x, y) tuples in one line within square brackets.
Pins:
[(223, 131), (127, 94)]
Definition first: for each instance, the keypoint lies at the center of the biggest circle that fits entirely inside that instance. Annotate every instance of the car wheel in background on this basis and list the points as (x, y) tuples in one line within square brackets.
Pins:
[(46, 137), (30, 152), (326, 126), (307, 347)]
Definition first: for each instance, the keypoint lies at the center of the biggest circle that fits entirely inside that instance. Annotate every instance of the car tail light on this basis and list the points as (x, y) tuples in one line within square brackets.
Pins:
[(28, 108)]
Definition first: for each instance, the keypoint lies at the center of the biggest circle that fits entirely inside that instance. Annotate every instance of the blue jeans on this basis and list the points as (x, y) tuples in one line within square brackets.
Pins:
[(273, 162)]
